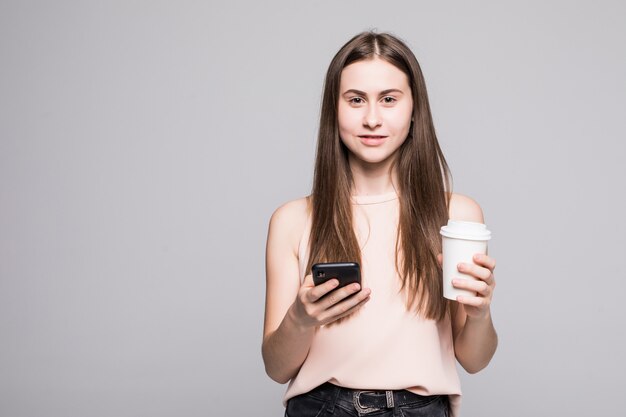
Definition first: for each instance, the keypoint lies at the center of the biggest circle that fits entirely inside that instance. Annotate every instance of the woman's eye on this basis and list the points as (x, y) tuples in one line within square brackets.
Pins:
[(389, 100), (356, 100)]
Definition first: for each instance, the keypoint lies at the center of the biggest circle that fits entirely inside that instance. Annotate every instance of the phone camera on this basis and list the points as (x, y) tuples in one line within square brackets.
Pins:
[(321, 274)]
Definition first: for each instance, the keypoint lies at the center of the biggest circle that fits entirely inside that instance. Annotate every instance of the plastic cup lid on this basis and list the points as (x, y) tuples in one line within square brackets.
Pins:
[(465, 230)]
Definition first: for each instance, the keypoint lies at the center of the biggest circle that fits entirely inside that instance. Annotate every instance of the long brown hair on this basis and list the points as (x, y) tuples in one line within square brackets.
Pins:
[(423, 174)]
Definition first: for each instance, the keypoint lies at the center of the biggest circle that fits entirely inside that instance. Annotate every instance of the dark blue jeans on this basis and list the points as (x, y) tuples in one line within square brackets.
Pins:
[(331, 400)]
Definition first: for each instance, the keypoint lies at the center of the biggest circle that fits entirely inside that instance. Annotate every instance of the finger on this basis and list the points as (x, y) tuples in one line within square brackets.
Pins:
[(354, 307), (475, 271), (319, 291), (480, 287), (347, 306), (485, 260), (440, 259), (308, 281), (336, 296), (479, 302)]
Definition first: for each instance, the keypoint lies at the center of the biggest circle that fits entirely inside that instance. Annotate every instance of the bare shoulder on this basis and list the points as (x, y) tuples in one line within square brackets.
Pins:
[(293, 212), (464, 208), (289, 220)]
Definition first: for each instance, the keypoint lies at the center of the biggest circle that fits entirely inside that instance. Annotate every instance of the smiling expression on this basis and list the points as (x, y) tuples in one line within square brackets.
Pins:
[(374, 110)]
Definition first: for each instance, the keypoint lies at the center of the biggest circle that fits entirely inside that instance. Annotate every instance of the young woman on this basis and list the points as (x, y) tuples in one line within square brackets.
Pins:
[(380, 195)]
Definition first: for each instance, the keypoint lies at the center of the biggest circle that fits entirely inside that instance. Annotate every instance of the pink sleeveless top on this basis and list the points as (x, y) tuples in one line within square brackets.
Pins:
[(382, 346)]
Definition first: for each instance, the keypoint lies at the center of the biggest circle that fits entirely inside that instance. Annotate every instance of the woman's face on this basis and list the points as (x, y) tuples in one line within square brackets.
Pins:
[(374, 110)]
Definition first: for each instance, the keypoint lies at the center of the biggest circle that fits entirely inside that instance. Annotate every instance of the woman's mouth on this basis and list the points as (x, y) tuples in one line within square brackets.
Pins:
[(372, 140)]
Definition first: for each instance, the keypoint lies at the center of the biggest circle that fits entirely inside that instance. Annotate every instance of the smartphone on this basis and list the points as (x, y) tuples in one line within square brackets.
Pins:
[(345, 272)]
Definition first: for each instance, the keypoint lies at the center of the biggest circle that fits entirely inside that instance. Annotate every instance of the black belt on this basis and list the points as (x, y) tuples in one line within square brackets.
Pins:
[(368, 401)]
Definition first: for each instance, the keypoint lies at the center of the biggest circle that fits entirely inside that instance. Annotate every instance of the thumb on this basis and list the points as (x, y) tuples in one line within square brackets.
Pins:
[(308, 281)]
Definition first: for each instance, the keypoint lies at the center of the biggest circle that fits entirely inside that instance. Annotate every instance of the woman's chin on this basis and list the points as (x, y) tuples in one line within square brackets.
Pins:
[(371, 159)]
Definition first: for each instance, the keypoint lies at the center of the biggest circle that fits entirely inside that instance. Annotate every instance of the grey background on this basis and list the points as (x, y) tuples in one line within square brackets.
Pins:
[(144, 146)]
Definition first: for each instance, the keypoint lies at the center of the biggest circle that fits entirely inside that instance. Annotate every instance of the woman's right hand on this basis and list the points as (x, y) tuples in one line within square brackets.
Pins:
[(321, 304)]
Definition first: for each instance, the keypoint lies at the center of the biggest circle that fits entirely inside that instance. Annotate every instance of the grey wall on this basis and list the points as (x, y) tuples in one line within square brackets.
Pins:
[(144, 146)]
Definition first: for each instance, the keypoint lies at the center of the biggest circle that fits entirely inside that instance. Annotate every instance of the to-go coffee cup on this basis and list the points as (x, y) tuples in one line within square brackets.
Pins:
[(460, 242)]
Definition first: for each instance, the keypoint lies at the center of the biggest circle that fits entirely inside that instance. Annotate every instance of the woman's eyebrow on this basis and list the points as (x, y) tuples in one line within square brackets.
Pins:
[(382, 93)]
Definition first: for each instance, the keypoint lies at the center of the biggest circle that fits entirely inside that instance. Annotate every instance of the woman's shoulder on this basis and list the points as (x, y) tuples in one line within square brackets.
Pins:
[(465, 208), (290, 218), (293, 211)]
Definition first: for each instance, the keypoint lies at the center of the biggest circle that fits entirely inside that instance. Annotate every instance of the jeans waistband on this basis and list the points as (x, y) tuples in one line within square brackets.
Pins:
[(368, 401)]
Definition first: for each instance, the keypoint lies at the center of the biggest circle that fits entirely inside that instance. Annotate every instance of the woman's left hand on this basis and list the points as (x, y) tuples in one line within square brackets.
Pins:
[(484, 284)]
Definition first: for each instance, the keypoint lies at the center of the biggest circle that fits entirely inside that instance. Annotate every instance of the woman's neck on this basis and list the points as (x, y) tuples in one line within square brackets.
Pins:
[(373, 179)]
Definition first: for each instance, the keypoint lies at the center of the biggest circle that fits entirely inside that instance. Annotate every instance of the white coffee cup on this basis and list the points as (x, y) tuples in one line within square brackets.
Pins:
[(460, 242)]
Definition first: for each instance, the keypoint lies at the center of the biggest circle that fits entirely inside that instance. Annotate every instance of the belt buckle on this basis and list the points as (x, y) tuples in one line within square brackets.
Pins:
[(356, 399), (357, 403)]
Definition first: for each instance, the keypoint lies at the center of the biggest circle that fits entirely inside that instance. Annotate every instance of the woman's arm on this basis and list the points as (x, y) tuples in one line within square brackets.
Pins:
[(285, 343), (293, 311), (475, 338)]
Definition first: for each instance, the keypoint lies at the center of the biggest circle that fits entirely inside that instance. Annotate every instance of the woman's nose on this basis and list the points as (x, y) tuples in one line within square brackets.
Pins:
[(372, 118)]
